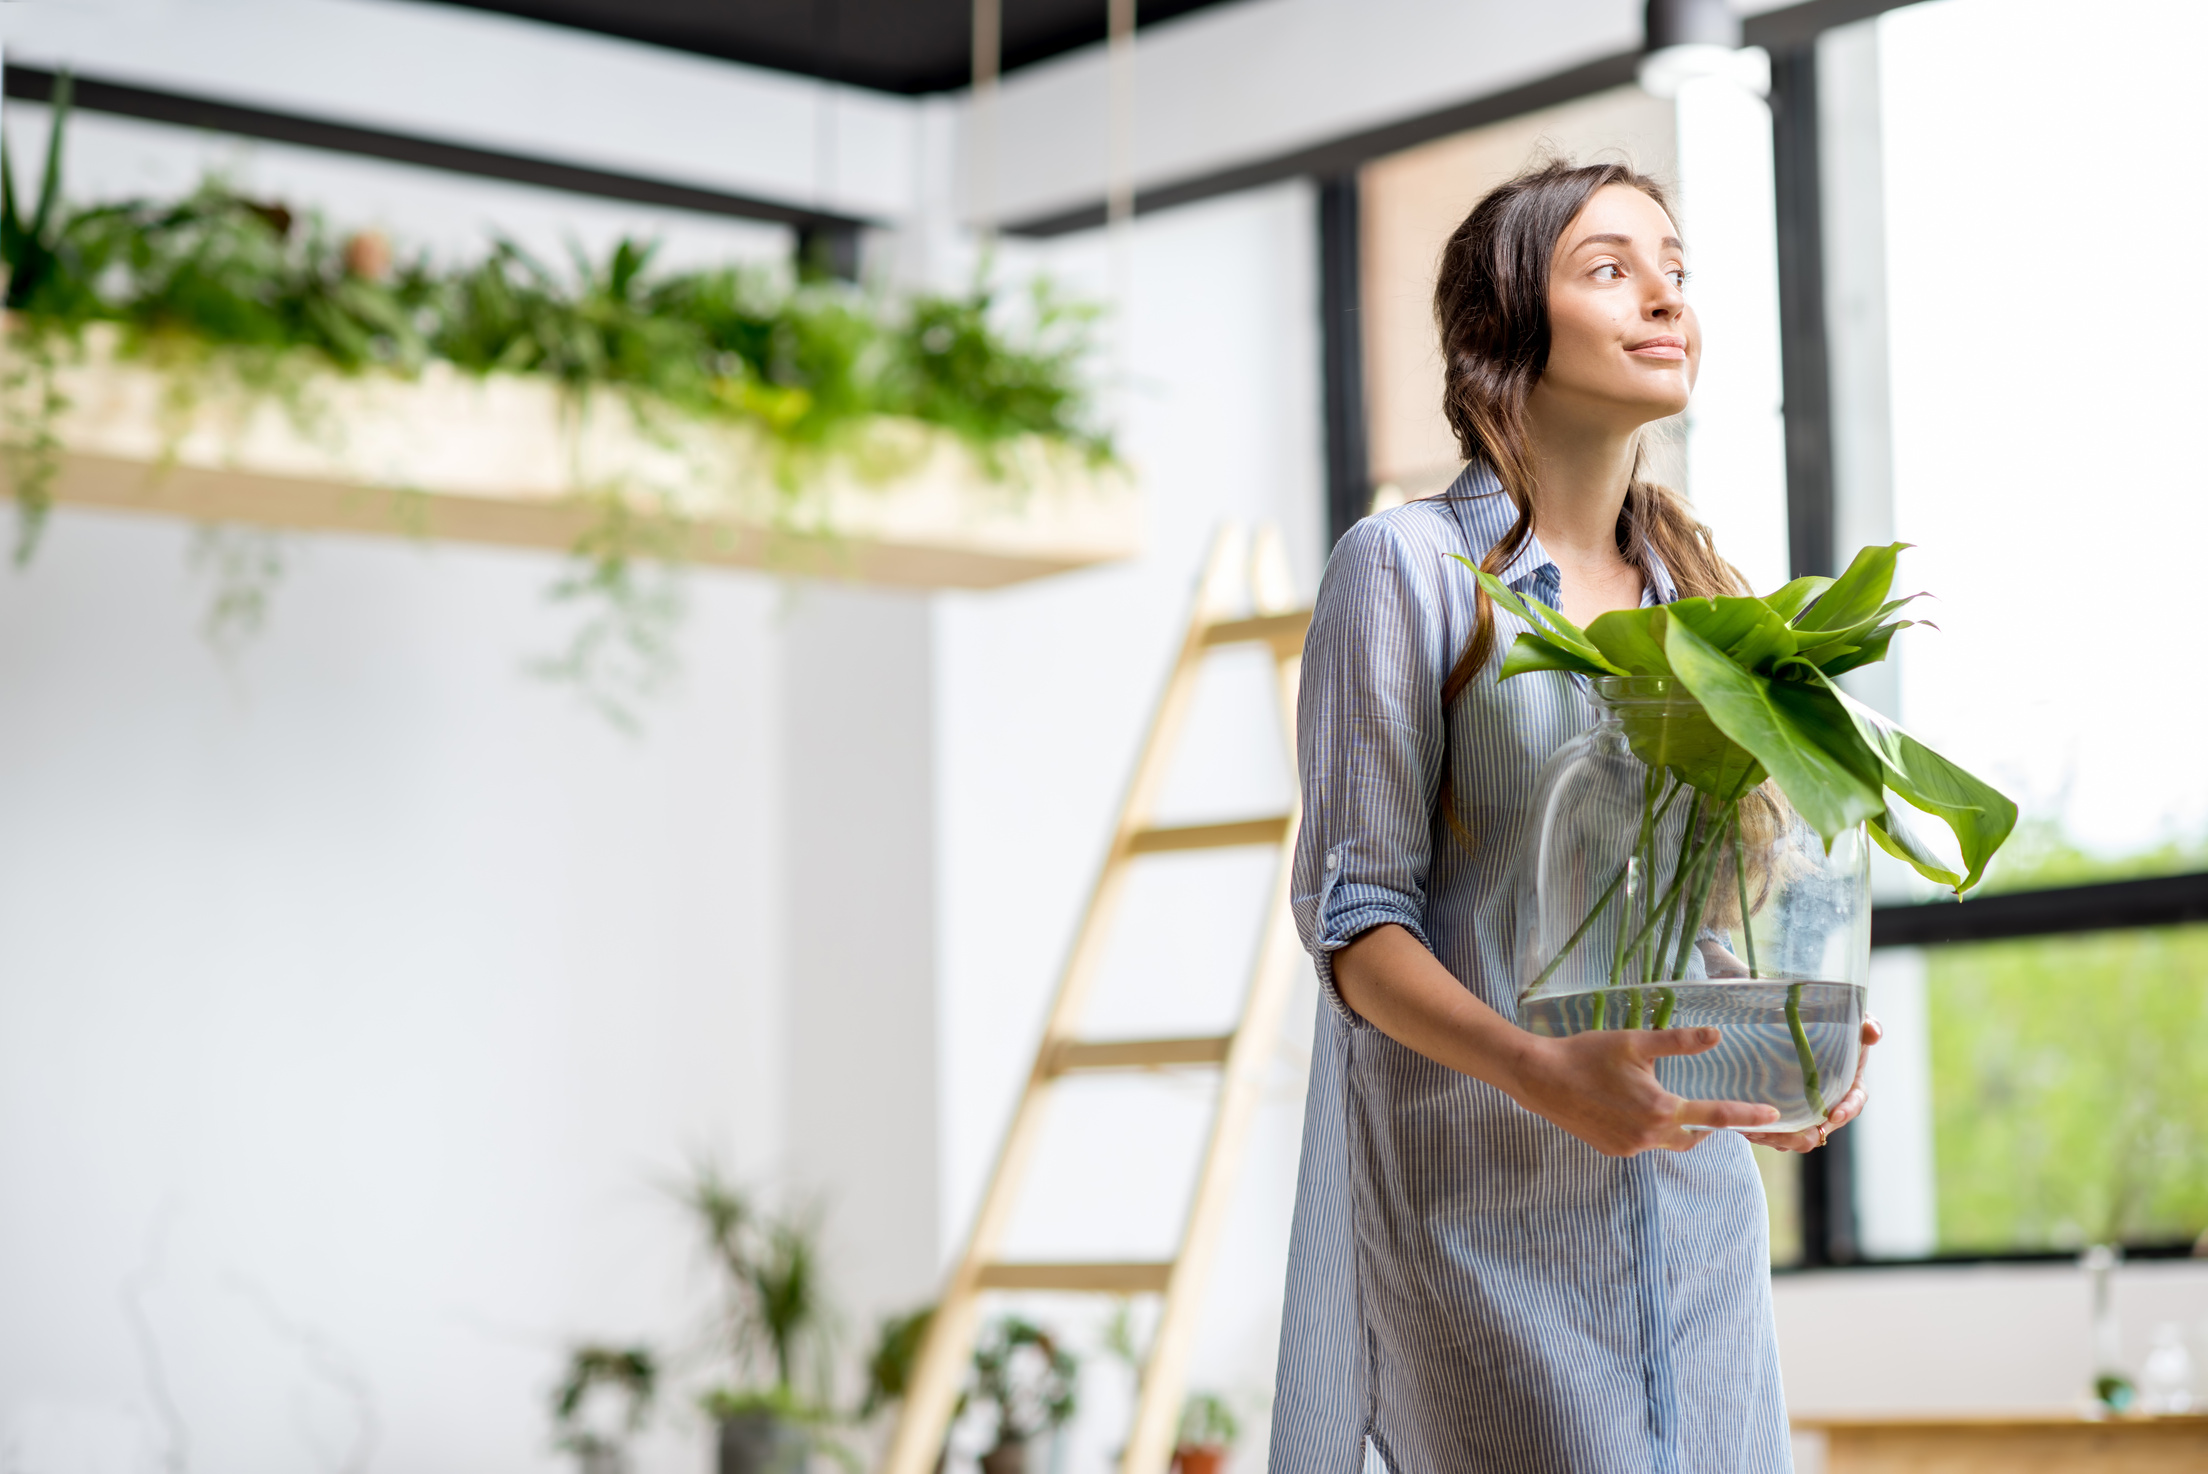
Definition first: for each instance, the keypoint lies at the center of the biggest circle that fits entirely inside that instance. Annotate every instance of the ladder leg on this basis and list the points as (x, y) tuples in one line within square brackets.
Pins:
[(924, 1418)]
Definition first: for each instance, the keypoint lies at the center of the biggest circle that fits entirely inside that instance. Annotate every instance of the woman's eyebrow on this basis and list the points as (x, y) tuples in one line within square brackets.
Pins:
[(1613, 238)]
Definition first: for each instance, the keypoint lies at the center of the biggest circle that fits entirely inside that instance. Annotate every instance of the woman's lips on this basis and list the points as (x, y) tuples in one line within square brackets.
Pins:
[(1660, 348)]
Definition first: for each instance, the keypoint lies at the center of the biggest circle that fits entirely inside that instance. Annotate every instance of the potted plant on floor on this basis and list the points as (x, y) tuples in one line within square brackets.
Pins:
[(1026, 1379), (1208, 1431), (603, 1400), (774, 1327), (1702, 854)]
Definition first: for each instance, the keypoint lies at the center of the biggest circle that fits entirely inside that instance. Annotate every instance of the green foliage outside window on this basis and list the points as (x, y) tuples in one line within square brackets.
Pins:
[(2070, 1089), (2070, 1074)]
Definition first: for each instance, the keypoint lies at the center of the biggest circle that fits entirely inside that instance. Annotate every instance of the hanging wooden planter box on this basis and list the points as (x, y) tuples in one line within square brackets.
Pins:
[(511, 459)]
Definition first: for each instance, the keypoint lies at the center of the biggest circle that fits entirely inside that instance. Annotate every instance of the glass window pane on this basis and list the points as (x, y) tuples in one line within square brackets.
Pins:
[(2046, 401), (2070, 1090)]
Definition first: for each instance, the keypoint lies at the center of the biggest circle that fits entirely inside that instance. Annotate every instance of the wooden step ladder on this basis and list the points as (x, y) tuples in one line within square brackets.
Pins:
[(1241, 1056)]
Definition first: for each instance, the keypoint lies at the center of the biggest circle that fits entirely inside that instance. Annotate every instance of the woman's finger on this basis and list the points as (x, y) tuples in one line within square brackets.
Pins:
[(1716, 1114), (1660, 1043)]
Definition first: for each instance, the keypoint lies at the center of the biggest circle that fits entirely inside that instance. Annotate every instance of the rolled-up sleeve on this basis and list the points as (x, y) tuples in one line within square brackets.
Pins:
[(1370, 745)]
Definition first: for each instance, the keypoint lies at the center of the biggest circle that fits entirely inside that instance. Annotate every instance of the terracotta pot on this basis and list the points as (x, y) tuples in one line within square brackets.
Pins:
[(1200, 1458), (1006, 1458)]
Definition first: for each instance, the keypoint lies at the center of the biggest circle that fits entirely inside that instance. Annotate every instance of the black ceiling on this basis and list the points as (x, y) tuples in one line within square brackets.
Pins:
[(894, 45)]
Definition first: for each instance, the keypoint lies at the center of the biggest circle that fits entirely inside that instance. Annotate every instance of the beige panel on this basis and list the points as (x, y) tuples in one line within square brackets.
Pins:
[(1410, 202), (1997, 1445), (511, 460)]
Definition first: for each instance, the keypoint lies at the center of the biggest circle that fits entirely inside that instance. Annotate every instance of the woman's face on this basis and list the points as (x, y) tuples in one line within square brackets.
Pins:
[(1623, 343)]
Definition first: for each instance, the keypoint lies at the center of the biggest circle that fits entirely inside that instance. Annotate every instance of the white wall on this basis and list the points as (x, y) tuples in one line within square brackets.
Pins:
[(1042, 699), (358, 1001), (1978, 1338)]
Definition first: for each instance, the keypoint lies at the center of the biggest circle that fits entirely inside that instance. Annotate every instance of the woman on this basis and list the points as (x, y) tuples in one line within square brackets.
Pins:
[(1511, 1253)]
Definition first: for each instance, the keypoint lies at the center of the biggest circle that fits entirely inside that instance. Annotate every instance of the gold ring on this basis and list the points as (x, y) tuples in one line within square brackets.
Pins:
[(1824, 1130)]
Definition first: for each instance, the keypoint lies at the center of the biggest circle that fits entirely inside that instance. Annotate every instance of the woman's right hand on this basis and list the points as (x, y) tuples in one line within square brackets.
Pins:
[(1601, 1086)]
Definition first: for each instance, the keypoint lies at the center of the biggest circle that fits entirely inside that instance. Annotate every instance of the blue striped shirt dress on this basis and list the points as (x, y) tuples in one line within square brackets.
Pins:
[(1470, 1287)]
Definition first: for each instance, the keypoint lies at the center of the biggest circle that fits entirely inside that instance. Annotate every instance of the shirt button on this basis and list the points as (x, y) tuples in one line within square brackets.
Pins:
[(1332, 861)]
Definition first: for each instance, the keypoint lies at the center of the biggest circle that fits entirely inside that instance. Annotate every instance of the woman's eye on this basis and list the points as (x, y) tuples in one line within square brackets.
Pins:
[(1608, 271), (1678, 275)]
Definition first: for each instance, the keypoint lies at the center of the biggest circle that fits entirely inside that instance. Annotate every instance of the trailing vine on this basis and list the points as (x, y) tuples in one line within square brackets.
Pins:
[(222, 291)]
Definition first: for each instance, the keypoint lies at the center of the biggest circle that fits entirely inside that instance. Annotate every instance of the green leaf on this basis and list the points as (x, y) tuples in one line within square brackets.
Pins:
[(1895, 836), (1979, 814), (1856, 594), (1814, 753), (1633, 639), (1678, 735), (1748, 630), (1548, 624), (1871, 648), (1533, 652), (1789, 601)]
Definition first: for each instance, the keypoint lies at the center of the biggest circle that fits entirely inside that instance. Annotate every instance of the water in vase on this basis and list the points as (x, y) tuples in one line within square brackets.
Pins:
[(1760, 1053)]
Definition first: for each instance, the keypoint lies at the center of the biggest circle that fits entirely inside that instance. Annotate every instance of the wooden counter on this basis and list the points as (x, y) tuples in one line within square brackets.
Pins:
[(2012, 1443)]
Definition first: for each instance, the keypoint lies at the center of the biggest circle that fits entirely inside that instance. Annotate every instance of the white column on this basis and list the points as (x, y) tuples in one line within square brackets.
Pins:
[(859, 877), (1736, 437), (1851, 158), (1896, 1201), (1895, 1171)]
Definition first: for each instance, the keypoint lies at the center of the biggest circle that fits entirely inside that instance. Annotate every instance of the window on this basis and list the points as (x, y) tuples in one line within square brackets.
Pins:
[(2043, 457)]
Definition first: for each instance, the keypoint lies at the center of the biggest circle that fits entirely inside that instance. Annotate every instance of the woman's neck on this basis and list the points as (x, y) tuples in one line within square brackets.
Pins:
[(1581, 476), (1583, 467)]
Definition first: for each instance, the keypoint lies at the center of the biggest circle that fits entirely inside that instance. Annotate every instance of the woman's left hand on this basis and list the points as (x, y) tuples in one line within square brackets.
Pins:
[(1849, 1107)]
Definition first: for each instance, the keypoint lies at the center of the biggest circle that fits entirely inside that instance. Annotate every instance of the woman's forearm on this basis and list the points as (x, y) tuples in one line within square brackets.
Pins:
[(1393, 983), (1601, 1086)]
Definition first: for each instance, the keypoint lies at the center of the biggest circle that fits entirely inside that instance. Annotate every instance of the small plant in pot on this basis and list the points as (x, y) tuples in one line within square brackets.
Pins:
[(602, 1400), (1208, 1431), (774, 1327), (1026, 1379)]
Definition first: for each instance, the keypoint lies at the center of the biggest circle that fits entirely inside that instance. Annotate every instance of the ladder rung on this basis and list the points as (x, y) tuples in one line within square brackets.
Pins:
[(1100, 1279), (1140, 1054), (1209, 836), (1284, 632)]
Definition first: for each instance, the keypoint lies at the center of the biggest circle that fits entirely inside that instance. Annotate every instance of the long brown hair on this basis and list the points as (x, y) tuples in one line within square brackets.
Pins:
[(1491, 302)]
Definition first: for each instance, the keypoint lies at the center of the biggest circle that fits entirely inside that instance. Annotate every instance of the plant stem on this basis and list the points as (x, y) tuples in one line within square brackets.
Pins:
[(1679, 866), (1666, 1000), (1602, 904), (1802, 1050), (1691, 924), (1740, 875)]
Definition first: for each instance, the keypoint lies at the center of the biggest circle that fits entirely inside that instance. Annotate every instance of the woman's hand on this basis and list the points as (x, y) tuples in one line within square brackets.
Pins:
[(1601, 1086), (1849, 1107)]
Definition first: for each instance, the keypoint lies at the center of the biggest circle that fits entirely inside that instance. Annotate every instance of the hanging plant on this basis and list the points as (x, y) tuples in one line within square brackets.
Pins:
[(237, 298)]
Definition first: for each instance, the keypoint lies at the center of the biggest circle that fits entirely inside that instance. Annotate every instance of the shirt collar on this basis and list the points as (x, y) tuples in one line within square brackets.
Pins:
[(1486, 513)]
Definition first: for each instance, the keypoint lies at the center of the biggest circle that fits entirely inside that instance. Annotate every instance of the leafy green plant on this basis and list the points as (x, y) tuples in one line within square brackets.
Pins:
[(1026, 1378), (630, 1371), (1748, 694), (775, 1310), (228, 293), (1208, 1421), (889, 1366)]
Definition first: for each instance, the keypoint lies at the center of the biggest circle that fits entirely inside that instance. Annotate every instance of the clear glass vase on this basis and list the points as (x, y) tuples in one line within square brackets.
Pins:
[(1668, 884)]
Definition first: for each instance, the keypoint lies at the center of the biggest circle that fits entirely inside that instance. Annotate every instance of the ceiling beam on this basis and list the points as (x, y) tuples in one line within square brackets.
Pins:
[(185, 110)]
